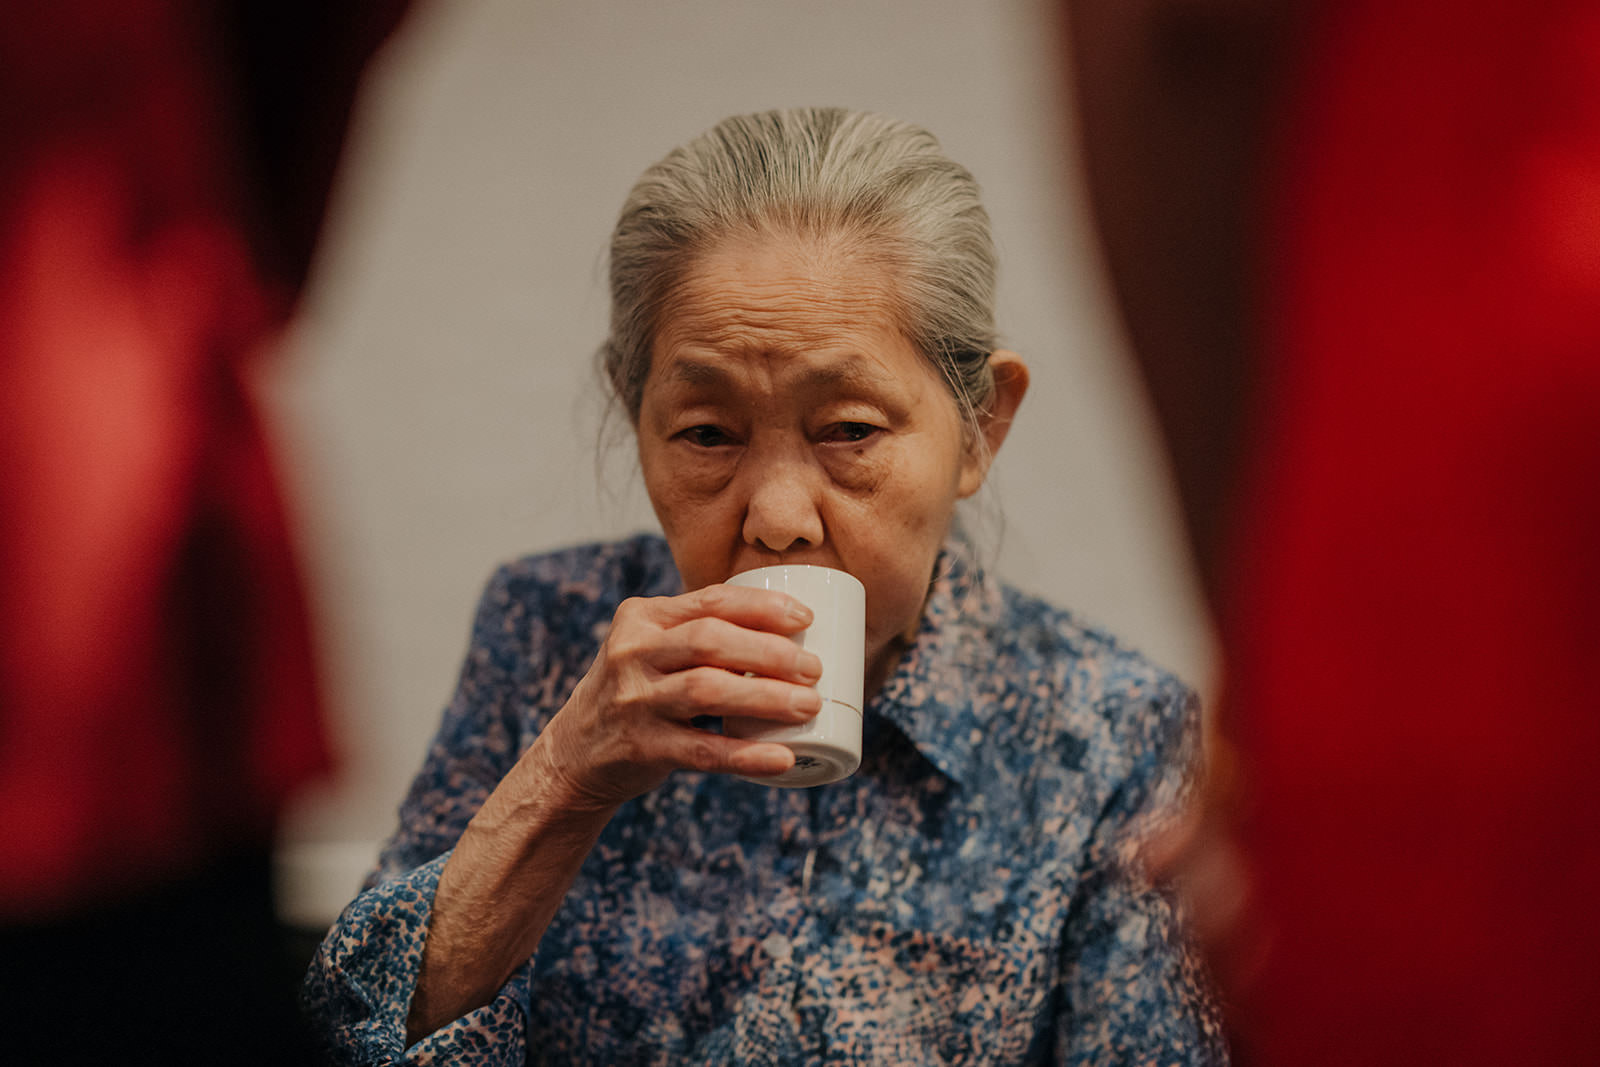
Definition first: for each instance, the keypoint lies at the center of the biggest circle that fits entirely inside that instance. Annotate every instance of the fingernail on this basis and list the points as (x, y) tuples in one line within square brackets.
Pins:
[(776, 763), (806, 702), (808, 664), (799, 612)]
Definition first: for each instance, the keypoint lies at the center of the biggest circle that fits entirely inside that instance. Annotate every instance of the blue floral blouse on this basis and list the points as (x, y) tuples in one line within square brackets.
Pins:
[(964, 898)]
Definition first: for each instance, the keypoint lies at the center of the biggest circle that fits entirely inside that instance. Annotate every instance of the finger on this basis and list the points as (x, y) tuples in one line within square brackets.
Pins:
[(699, 750), (755, 609), (713, 691), (713, 642)]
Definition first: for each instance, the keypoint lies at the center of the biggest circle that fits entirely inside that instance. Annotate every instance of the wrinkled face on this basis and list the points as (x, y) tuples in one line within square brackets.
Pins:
[(786, 419)]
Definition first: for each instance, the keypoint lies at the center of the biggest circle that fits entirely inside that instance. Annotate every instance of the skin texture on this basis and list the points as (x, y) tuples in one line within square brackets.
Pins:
[(787, 418)]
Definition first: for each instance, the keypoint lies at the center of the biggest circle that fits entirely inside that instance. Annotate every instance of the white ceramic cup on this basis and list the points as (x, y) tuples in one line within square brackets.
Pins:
[(828, 747)]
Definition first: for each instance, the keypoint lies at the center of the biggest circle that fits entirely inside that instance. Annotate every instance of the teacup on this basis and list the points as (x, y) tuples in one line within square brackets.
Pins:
[(828, 748)]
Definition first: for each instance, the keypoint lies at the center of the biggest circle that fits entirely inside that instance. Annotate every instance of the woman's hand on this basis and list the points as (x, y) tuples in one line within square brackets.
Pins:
[(720, 650)]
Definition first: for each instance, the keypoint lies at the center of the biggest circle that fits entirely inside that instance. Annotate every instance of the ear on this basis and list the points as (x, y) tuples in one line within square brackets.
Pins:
[(994, 422)]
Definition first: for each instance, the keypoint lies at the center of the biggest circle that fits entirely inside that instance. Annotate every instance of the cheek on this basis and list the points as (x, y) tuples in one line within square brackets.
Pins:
[(895, 598), (686, 505), (895, 536), (862, 472), (678, 477), (678, 506), (698, 560)]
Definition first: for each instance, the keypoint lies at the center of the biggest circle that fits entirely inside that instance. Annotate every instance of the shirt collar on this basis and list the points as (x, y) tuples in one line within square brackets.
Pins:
[(934, 694)]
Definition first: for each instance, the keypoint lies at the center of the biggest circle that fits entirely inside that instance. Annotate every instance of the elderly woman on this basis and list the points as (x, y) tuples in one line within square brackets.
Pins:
[(802, 339)]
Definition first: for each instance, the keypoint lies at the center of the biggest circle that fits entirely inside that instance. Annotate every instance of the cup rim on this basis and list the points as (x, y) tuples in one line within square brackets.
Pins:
[(796, 567)]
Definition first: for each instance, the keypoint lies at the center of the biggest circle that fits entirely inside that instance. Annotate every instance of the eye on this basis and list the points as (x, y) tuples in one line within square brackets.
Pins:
[(849, 432), (706, 436)]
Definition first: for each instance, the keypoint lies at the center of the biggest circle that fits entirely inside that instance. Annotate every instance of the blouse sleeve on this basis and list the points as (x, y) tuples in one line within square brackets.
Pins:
[(358, 990), (1135, 993)]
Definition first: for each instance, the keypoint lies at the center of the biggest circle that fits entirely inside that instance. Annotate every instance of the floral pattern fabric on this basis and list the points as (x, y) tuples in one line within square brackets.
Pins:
[(965, 898)]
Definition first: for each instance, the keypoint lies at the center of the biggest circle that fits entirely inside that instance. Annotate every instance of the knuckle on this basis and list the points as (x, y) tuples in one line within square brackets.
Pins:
[(632, 751), (703, 753), (626, 649), (701, 640), (629, 697), (716, 599), (704, 687), (631, 700), (632, 612)]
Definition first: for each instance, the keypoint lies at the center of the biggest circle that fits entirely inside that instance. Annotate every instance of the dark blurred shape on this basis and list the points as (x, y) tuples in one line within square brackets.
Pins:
[(1174, 98), (1358, 246), (163, 177)]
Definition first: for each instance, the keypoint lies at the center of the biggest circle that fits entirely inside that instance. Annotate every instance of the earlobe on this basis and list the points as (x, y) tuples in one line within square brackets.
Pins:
[(1010, 386)]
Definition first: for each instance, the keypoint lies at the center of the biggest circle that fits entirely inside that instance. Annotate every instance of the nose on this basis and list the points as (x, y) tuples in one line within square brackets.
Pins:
[(782, 512)]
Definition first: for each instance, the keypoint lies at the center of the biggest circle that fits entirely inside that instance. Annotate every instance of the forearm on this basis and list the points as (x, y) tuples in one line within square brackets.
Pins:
[(499, 891)]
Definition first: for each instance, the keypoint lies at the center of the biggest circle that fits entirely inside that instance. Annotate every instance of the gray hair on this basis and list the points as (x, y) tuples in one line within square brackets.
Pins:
[(815, 172)]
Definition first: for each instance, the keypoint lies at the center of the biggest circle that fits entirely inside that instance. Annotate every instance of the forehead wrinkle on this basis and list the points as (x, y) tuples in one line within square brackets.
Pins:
[(844, 369), (834, 348), (788, 313), (756, 326), (754, 311)]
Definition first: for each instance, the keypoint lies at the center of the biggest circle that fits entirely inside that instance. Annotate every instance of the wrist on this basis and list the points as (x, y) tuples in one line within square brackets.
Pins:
[(499, 890), (536, 807)]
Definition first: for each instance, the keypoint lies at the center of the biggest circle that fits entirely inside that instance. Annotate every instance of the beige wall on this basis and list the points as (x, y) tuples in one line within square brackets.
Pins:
[(438, 405)]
